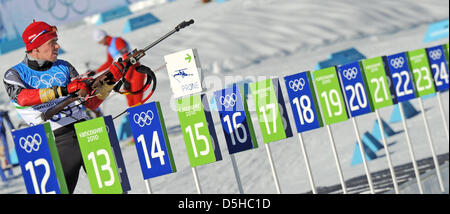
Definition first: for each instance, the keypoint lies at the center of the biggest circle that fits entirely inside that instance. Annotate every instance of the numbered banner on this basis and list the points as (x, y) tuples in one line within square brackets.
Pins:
[(380, 89), (151, 140), (400, 76), (124, 181), (39, 160), (184, 69), (439, 67), (420, 68), (271, 110), (98, 157), (198, 131), (331, 100), (353, 83), (303, 101), (235, 117)]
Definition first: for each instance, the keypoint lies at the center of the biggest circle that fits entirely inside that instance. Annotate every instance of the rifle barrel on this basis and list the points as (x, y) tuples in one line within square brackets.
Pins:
[(60, 106), (181, 25)]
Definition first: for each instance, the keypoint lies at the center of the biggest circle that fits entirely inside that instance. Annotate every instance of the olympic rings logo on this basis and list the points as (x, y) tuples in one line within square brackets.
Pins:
[(229, 100), (297, 85), (30, 143), (350, 73), (47, 80), (143, 118), (435, 54), (62, 10), (397, 62)]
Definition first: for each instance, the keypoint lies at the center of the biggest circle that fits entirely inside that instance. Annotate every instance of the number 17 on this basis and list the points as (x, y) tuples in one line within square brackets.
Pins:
[(263, 110)]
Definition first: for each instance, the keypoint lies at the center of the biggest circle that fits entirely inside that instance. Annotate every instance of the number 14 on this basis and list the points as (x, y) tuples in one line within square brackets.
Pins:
[(156, 151)]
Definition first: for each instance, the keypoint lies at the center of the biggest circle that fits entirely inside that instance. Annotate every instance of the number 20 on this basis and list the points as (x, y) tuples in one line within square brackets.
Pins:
[(358, 92)]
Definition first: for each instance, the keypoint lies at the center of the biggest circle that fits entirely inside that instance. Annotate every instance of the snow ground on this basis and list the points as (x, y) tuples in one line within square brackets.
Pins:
[(254, 39)]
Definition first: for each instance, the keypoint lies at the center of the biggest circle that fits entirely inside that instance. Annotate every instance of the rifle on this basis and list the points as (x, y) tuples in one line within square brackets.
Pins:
[(131, 59)]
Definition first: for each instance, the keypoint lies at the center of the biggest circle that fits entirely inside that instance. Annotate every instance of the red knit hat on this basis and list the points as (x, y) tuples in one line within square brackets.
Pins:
[(37, 33)]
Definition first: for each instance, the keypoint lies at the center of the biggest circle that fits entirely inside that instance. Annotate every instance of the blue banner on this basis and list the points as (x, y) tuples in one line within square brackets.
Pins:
[(151, 140), (35, 160), (235, 120), (439, 67), (400, 75), (354, 87), (303, 101)]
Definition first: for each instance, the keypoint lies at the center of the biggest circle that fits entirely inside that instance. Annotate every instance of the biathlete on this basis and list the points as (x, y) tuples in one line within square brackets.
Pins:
[(41, 80)]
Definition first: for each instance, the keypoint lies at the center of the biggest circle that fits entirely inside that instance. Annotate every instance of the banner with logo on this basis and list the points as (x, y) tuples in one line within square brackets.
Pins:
[(400, 75), (271, 110), (98, 157), (151, 140), (354, 87), (198, 130), (39, 160), (235, 117), (303, 101)]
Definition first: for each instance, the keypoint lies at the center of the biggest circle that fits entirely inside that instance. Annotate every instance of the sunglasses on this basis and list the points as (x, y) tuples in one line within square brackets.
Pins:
[(50, 29)]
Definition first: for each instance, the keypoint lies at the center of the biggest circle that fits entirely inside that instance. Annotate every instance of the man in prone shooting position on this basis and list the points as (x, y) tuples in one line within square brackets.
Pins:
[(41, 81)]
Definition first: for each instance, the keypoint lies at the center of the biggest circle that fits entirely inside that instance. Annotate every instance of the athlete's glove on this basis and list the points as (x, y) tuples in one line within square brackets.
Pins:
[(117, 69), (77, 85)]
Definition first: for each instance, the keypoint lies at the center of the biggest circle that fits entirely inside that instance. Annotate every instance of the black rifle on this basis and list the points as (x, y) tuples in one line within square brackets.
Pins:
[(131, 59)]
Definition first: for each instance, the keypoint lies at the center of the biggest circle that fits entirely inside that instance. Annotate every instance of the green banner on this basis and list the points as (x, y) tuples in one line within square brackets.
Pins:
[(329, 91), (98, 157), (56, 160), (420, 68), (377, 82), (446, 51), (201, 142), (267, 111)]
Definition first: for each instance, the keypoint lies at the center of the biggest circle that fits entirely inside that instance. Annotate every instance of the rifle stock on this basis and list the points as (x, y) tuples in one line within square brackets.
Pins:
[(47, 115)]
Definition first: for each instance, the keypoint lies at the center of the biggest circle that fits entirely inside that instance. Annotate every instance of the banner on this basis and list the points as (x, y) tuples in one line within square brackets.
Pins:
[(16, 15)]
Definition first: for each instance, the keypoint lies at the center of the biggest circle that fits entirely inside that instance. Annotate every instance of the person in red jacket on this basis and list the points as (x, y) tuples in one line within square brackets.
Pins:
[(41, 80), (117, 47)]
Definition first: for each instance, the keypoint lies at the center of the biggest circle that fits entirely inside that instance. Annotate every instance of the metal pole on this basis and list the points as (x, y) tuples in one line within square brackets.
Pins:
[(444, 118), (430, 141), (236, 174), (197, 182), (338, 165), (148, 187), (391, 168), (308, 167), (274, 172), (411, 151), (363, 155)]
